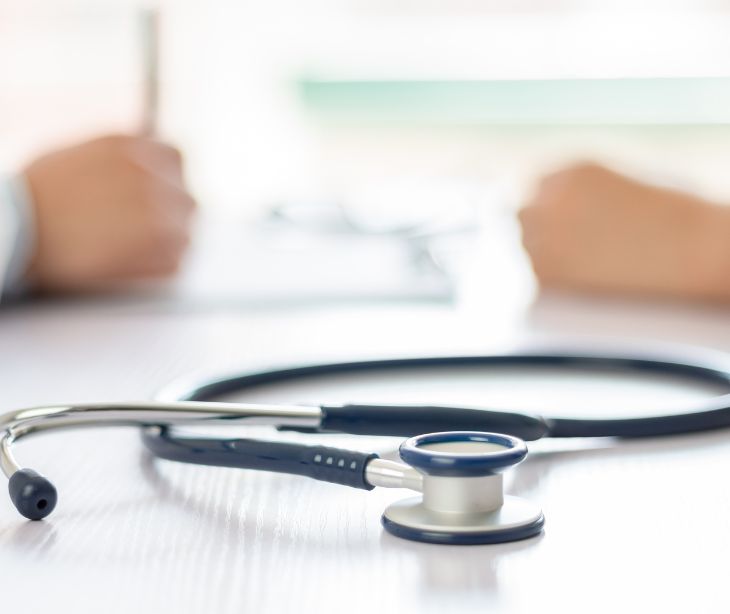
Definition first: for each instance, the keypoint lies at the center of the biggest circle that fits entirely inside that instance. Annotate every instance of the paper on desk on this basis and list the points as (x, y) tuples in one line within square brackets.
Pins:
[(235, 264)]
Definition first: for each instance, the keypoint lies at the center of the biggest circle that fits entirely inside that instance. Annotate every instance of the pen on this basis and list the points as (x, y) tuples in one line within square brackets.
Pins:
[(150, 39)]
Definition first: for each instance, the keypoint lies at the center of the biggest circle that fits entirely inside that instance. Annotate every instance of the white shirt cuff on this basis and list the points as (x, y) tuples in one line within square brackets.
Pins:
[(18, 235)]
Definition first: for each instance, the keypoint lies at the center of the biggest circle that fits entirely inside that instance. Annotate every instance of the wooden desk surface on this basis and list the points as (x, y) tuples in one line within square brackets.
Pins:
[(629, 525)]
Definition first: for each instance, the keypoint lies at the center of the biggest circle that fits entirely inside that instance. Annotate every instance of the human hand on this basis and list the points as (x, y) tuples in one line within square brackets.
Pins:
[(589, 228), (107, 210)]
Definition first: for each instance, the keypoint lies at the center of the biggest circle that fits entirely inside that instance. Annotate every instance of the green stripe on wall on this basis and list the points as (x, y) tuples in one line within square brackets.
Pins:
[(644, 101)]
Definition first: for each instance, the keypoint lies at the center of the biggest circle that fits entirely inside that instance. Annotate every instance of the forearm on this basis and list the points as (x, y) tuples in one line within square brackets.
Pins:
[(711, 262), (590, 229)]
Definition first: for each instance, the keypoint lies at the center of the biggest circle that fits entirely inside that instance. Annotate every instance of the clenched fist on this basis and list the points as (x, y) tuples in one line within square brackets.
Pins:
[(111, 209), (588, 228)]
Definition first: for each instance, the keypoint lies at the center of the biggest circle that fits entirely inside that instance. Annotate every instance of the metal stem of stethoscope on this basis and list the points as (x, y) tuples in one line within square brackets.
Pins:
[(26, 421), (15, 425)]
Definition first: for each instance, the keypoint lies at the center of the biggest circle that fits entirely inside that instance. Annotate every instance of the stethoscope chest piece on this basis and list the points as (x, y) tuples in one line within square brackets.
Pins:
[(463, 500)]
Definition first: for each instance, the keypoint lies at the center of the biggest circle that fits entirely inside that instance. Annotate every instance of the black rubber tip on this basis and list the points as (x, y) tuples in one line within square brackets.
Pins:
[(32, 494)]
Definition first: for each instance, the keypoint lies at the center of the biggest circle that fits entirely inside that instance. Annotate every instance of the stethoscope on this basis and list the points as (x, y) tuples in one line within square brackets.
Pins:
[(456, 469)]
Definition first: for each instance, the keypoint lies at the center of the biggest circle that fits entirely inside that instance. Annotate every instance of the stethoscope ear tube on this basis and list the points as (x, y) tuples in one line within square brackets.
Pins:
[(412, 420)]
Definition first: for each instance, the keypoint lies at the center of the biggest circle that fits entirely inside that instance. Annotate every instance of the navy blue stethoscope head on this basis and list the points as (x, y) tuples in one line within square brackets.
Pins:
[(457, 468), (462, 453)]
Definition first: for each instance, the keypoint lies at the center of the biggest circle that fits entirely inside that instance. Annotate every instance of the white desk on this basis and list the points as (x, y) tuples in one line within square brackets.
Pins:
[(629, 525)]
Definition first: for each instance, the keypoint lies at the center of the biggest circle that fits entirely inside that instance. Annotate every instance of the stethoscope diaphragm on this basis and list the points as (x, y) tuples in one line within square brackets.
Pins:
[(462, 499)]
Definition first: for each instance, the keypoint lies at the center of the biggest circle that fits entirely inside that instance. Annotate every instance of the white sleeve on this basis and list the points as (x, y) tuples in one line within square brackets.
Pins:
[(16, 234), (8, 231)]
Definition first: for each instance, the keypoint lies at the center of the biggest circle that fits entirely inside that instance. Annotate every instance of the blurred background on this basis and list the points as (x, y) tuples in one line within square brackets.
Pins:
[(431, 116)]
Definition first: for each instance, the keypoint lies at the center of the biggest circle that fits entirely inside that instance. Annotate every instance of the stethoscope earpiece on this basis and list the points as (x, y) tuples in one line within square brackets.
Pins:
[(33, 495), (463, 500)]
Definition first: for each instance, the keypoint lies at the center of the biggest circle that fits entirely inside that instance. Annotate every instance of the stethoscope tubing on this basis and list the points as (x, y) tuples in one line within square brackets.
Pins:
[(193, 404), (407, 421), (196, 404)]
